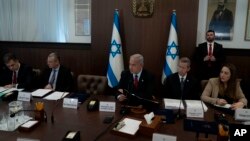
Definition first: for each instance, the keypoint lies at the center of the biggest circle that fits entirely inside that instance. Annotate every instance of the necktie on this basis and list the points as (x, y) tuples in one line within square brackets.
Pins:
[(210, 53), (14, 79), (136, 82), (182, 84), (53, 77)]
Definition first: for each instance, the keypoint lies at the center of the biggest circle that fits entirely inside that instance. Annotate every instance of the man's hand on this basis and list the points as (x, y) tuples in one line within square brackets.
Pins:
[(212, 58), (206, 58), (121, 97), (48, 87)]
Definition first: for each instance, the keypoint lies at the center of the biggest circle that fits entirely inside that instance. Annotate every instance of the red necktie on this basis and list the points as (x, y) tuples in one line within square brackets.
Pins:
[(14, 81), (210, 53), (136, 82)]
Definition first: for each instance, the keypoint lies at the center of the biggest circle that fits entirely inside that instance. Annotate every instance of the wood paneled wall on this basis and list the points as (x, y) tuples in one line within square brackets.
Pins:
[(147, 36)]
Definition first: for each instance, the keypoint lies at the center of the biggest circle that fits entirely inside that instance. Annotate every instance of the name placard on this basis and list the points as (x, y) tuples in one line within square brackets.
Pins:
[(107, 106), (163, 137), (195, 112), (70, 103), (24, 96), (242, 114)]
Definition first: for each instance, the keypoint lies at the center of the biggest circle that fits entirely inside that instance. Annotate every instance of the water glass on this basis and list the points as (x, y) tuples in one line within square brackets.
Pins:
[(3, 124), (16, 107), (11, 123)]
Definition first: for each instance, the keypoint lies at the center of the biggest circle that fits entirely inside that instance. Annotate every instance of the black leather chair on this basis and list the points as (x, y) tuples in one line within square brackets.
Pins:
[(91, 84)]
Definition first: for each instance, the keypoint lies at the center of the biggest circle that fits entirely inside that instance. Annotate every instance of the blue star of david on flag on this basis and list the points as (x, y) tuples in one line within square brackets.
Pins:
[(172, 53), (115, 66), (172, 50), (115, 48)]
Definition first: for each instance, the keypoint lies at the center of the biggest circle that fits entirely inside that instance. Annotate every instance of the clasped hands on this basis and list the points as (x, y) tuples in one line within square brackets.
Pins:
[(209, 58), (234, 106), (122, 96)]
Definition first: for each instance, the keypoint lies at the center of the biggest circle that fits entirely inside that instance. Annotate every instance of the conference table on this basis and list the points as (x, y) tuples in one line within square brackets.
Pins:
[(90, 123)]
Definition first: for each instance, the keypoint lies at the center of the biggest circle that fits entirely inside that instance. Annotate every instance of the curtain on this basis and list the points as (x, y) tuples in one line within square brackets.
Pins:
[(34, 20)]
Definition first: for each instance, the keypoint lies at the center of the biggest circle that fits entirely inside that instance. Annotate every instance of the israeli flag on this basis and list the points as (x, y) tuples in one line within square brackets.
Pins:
[(172, 53), (116, 65)]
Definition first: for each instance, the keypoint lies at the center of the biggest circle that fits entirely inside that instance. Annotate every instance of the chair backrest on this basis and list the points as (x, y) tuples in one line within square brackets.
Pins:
[(203, 84), (36, 76), (36, 72), (91, 84)]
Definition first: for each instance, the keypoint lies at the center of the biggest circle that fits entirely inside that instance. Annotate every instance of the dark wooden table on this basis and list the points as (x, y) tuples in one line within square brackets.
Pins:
[(90, 124)]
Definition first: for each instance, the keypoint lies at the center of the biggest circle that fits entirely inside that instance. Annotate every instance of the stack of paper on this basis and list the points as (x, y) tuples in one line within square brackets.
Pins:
[(131, 126), (2, 89), (40, 92), (56, 95), (173, 103), (196, 104), (227, 106)]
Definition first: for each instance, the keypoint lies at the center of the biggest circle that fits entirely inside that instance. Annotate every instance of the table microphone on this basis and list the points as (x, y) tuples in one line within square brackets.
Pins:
[(152, 101), (13, 114), (54, 108), (179, 115)]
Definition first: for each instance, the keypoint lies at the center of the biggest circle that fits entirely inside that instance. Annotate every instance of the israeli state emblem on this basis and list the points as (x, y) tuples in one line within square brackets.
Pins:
[(143, 8)]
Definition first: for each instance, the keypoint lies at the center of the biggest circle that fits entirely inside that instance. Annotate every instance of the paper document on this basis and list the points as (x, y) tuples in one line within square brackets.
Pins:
[(2, 89), (196, 104), (131, 126), (227, 106), (11, 89), (173, 103), (56, 95), (40, 92)]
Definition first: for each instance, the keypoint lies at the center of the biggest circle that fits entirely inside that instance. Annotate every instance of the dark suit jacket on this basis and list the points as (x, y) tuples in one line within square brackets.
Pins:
[(64, 79), (24, 79), (172, 88), (146, 86), (208, 69), (222, 23)]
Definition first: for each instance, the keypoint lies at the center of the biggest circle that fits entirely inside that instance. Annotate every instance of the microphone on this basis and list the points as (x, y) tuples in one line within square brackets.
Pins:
[(144, 99), (14, 114), (45, 114), (179, 115), (54, 108)]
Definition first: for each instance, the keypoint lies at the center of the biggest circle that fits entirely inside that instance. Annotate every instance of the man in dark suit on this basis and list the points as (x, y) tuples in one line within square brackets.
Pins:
[(16, 74), (181, 85), (56, 76), (210, 57), (136, 81), (222, 22)]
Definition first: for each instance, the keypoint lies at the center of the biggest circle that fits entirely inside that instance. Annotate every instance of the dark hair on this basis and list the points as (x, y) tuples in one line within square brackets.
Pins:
[(9, 56), (210, 30), (231, 84)]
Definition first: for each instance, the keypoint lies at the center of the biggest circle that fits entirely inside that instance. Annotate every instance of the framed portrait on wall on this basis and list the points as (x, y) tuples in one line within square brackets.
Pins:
[(247, 36), (220, 18), (239, 34)]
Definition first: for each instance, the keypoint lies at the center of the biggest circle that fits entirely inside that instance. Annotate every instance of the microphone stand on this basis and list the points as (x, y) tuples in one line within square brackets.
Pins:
[(45, 114), (57, 103), (179, 115)]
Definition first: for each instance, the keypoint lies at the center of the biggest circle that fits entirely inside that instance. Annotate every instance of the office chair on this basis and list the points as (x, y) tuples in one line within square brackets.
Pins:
[(91, 84)]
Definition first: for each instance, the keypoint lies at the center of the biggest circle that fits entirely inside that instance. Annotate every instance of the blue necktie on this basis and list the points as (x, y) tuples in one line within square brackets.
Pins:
[(53, 77)]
